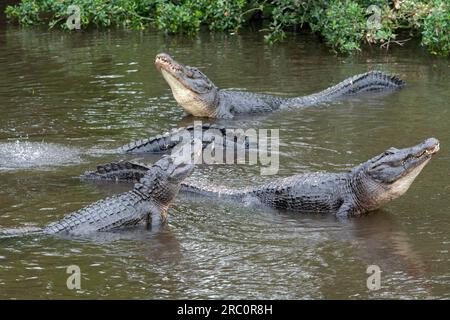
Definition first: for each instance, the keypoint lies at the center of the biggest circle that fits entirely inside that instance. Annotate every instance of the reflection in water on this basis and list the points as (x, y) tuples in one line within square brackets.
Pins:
[(381, 241), (94, 91), (155, 235), (384, 243)]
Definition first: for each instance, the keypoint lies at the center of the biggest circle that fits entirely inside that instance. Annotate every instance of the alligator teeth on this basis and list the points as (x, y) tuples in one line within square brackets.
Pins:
[(167, 63), (432, 150)]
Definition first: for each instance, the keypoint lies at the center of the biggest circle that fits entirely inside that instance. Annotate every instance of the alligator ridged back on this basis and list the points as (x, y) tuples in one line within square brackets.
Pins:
[(120, 210), (151, 195), (147, 179), (168, 140), (372, 81), (117, 171)]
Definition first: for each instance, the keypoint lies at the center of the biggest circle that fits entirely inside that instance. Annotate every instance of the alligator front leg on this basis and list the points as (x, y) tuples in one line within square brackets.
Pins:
[(347, 209)]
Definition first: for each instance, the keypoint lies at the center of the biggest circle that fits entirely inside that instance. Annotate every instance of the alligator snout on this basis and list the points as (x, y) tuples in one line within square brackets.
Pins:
[(431, 145), (163, 59)]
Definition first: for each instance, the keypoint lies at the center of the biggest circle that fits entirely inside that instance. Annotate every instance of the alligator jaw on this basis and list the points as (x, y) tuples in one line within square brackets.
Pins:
[(390, 174), (169, 67), (181, 93), (190, 87), (433, 148), (419, 156), (163, 60)]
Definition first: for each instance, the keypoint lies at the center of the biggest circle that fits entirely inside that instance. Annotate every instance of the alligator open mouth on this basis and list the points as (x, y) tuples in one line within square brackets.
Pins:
[(176, 75), (433, 149), (427, 152), (164, 61)]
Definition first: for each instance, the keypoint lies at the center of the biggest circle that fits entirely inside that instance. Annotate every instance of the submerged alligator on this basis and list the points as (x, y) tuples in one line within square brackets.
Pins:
[(151, 196), (199, 96), (365, 188)]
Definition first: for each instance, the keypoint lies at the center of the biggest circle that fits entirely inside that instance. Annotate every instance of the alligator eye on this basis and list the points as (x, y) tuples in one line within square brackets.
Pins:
[(192, 72)]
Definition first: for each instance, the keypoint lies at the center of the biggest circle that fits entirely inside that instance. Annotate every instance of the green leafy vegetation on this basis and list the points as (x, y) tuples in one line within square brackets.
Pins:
[(101, 13), (436, 28), (345, 25)]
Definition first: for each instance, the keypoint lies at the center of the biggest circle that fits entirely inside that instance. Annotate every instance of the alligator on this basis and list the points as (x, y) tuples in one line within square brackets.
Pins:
[(364, 188), (204, 132), (151, 195), (198, 95)]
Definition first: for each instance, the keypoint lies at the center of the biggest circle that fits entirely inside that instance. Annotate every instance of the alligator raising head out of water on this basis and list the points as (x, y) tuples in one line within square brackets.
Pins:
[(152, 195), (200, 97), (365, 188)]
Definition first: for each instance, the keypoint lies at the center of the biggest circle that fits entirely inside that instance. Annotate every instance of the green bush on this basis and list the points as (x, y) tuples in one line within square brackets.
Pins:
[(386, 29), (187, 16), (436, 29), (27, 13), (101, 13), (286, 13), (224, 15), (343, 24), (174, 18)]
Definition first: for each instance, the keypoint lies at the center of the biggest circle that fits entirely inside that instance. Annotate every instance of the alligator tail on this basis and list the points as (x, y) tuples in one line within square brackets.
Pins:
[(167, 141), (211, 191), (17, 232), (117, 171), (158, 144), (372, 81)]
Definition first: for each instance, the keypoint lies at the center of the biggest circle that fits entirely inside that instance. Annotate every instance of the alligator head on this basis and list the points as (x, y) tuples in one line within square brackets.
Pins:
[(390, 174), (190, 87), (163, 179)]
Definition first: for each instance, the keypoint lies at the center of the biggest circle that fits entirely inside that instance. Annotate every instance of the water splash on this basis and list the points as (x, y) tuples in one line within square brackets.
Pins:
[(26, 154)]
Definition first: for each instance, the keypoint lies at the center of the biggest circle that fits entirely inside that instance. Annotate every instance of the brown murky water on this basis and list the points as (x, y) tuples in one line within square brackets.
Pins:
[(67, 98)]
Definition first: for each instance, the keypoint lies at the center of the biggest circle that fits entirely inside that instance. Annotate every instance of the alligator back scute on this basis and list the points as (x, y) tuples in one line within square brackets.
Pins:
[(117, 171), (371, 81), (103, 215)]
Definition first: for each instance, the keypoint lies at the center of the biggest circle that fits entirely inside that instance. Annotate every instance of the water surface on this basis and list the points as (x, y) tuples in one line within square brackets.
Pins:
[(68, 98)]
